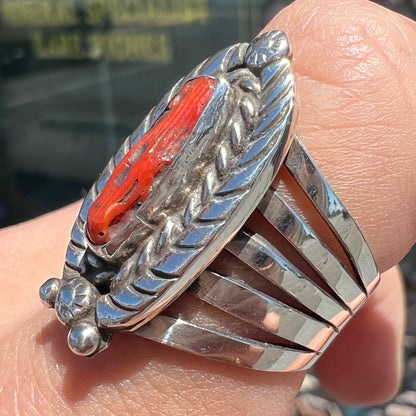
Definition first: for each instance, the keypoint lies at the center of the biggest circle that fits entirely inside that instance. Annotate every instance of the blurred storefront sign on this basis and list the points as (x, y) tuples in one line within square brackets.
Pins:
[(77, 76)]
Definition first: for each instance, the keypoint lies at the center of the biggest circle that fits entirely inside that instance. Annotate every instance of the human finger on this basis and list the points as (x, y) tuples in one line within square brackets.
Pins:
[(363, 366)]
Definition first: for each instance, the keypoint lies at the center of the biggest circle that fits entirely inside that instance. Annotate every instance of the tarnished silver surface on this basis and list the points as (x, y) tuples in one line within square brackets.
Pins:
[(146, 266)]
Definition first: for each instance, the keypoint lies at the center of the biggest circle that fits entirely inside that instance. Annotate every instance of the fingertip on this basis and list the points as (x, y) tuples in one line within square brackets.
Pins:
[(356, 98)]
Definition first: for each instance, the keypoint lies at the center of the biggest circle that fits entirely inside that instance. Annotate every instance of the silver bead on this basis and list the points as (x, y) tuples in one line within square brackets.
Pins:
[(84, 339), (48, 291)]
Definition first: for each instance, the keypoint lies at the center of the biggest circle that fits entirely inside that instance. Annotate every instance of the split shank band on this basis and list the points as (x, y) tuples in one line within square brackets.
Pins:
[(211, 230)]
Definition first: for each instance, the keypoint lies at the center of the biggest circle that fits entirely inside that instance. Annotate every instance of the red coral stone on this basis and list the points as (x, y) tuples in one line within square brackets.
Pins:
[(132, 179)]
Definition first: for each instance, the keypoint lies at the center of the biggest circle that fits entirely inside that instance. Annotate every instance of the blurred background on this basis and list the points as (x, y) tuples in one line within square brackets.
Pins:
[(77, 76)]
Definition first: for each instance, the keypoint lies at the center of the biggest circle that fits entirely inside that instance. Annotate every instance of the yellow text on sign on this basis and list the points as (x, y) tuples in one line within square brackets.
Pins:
[(117, 45), (48, 13)]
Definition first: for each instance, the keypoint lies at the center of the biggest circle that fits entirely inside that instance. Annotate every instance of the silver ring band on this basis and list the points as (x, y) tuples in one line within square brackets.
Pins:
[(328, 314), (164, 245)]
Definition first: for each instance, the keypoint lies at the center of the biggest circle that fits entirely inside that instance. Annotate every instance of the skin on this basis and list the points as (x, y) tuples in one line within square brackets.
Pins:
[(354, 63)]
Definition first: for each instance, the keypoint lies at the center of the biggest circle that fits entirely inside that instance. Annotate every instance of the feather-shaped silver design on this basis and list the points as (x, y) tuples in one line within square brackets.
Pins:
[(234, 151), (189, 201)]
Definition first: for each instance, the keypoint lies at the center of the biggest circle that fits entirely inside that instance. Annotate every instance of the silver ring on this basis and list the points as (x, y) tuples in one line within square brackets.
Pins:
[(189, 238)]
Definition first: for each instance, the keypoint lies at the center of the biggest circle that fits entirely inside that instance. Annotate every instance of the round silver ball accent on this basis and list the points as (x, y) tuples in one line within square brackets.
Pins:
[(49, 290), (84, 339), (75, 299)]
